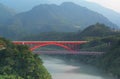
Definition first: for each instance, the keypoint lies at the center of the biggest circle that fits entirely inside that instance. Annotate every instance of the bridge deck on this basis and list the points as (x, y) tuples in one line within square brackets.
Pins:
[(39, 42), (68, 52), (49, 41)]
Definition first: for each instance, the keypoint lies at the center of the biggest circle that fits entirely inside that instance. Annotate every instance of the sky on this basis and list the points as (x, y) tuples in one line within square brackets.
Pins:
[(112, 4), (20, 4)]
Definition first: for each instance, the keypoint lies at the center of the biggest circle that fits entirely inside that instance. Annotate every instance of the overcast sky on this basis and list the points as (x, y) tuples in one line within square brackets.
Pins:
[(112, 4)]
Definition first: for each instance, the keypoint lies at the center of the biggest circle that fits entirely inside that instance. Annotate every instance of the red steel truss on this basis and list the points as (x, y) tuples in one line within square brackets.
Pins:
[(69, 45)]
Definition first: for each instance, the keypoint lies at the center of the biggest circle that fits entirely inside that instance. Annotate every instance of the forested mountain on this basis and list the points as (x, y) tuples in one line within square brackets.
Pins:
[(96, 30), (91, 32), (5, 16), (112, 15), (67, 17), (5, 13)]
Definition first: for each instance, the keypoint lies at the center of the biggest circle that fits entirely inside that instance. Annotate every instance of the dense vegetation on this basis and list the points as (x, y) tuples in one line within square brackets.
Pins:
[(50, 36), (95, 31), (17, 62), (102, 39), (110, 61)]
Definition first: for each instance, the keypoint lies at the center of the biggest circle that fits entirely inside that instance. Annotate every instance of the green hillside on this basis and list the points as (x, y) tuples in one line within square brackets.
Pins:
[(95, 31), (17, 62)]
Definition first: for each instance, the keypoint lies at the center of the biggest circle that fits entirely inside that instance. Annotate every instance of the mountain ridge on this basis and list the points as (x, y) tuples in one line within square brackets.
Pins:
[(5, 13), (67, 15), (113, 16)]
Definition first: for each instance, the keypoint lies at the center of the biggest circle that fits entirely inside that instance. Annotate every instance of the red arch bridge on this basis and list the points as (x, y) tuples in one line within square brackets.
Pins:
[(71, 46)]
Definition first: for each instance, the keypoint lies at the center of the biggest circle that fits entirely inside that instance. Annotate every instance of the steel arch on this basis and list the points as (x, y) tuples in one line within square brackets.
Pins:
[(57, 44)]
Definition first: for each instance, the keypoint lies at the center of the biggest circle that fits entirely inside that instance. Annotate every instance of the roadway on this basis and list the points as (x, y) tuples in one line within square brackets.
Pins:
[(68, 52)]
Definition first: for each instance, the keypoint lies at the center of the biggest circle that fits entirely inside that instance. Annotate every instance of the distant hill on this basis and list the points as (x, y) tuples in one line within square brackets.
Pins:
[(92, 32), (5, 13), (68, 17), (97, 30), (25, 5), (109, 13)]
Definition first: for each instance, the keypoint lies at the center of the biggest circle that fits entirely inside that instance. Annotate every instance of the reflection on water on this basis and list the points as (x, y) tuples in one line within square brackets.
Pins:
[(60, 70)]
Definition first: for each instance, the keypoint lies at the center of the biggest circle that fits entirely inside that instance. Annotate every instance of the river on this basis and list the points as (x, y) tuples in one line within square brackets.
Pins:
[(60, 70)]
